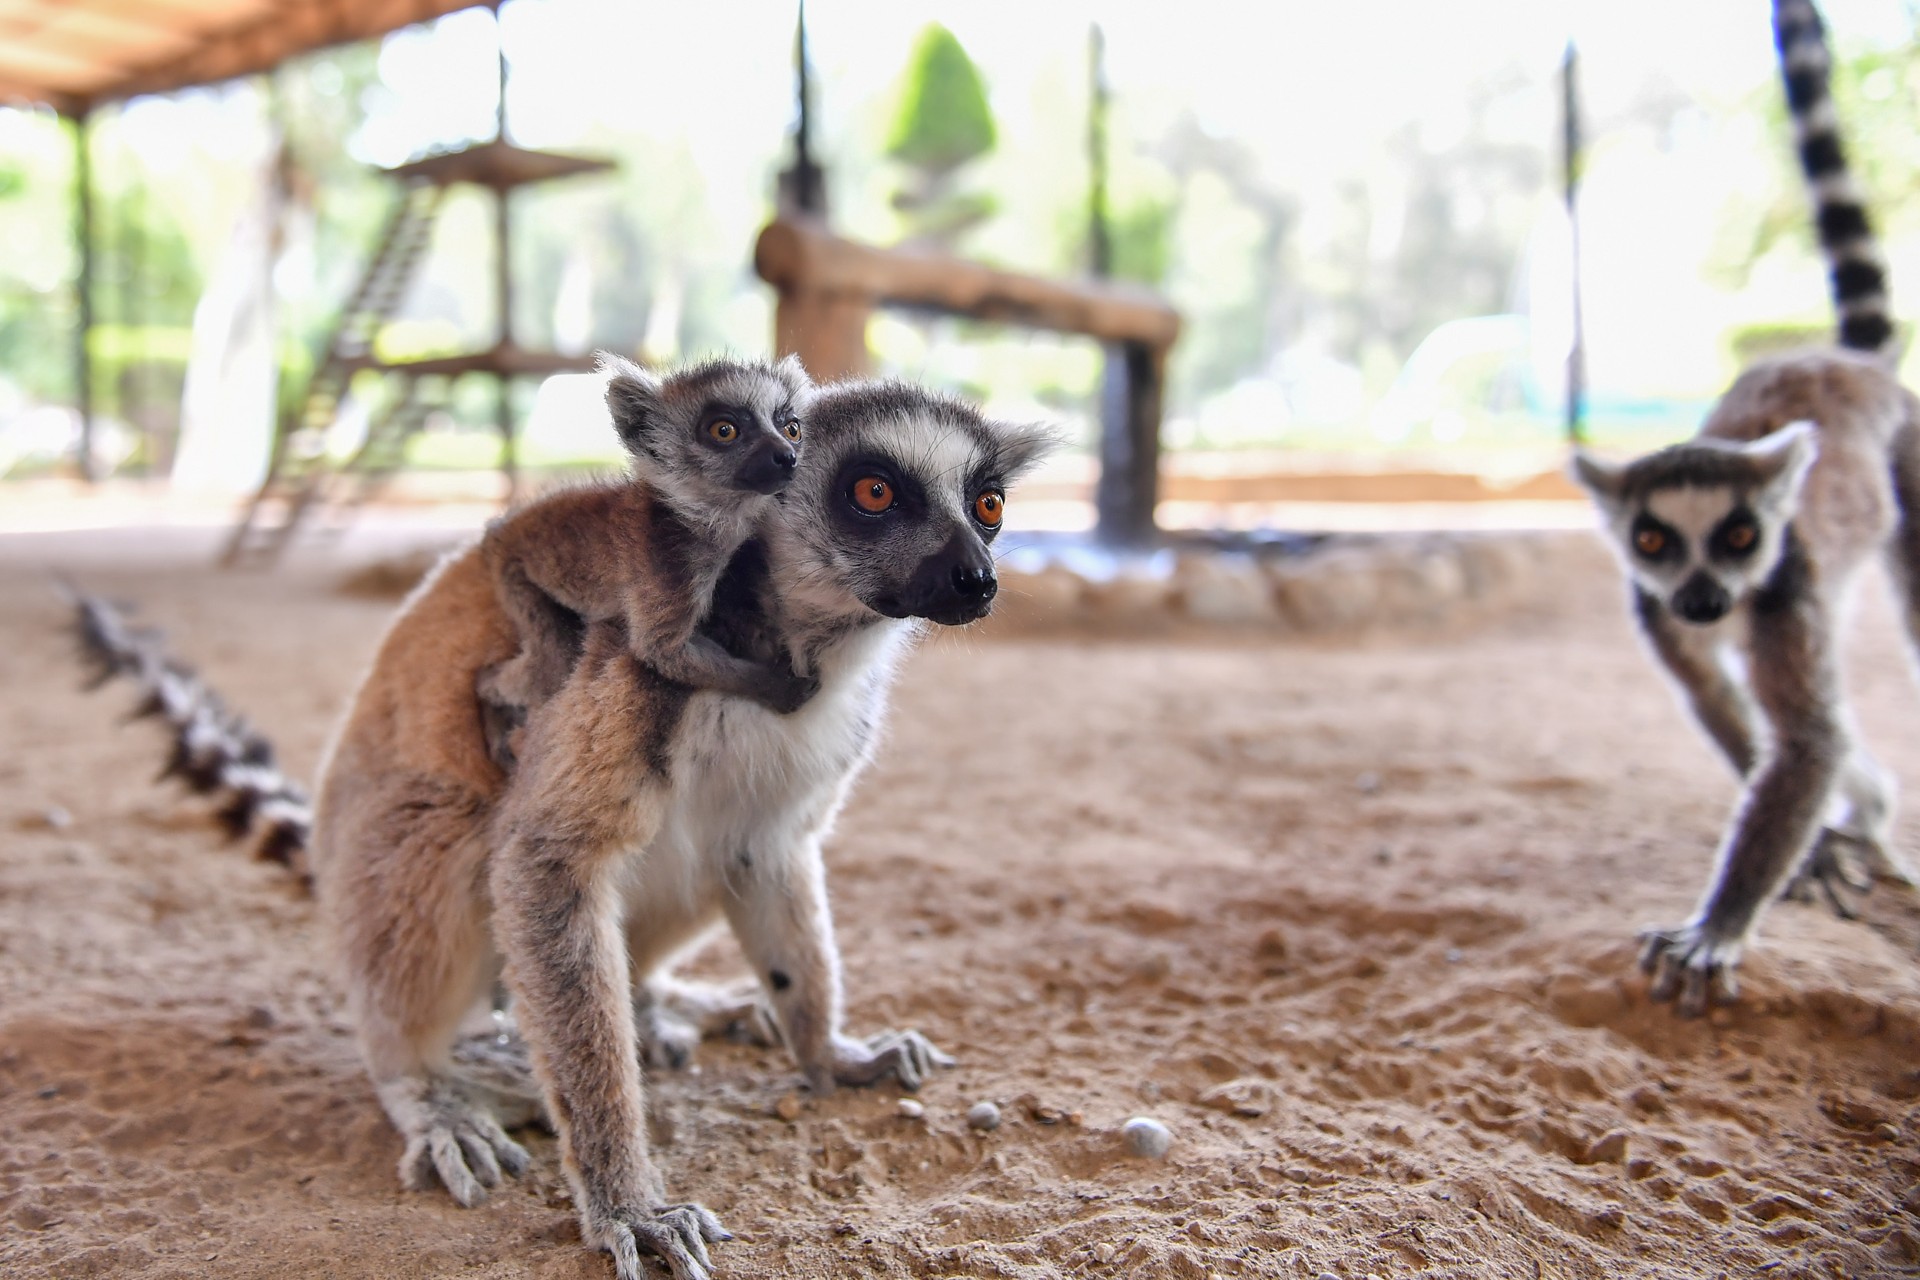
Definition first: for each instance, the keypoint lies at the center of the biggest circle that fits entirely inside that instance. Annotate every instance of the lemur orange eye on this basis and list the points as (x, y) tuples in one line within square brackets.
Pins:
[(988, 508), (1742, 537), (723, 431), (793, 429), (872, 495), (1648, 542)]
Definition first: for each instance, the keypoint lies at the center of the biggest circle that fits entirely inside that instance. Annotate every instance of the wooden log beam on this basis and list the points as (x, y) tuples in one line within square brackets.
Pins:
[(796, 256)]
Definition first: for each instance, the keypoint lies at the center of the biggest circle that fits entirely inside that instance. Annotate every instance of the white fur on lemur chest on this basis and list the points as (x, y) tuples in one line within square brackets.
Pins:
[(753, 788)]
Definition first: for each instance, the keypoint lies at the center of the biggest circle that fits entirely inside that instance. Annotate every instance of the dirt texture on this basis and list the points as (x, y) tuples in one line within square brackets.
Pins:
[(1353, 918)]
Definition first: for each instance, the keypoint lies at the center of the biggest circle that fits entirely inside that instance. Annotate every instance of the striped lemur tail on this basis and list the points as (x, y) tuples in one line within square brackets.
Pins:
[(215, 752), (1854, 264)]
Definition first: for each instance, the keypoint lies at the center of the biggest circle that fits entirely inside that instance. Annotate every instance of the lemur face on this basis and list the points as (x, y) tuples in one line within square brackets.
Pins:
[(1700, 525), (900, 497), (707, 435)]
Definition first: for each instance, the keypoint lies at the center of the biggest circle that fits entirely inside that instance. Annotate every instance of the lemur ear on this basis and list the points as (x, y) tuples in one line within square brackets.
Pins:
[(1019, 446), (633, 398), (790, 371), (1781, 460), (1600, 478)]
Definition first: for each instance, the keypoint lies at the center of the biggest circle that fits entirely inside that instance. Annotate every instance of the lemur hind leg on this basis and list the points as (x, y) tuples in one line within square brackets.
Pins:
[(1856, 847), (673, 1015), (1796, 683), (419, 961), (586, 795)]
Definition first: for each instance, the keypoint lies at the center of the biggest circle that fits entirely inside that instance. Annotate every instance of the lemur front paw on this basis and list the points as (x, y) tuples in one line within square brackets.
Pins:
[(908, 1056), (1836, 862), (1692, 964), (458, 1142), (677, 1234), (786, 693)]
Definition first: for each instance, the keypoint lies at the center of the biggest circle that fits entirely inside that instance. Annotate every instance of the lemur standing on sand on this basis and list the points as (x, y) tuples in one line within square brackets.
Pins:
[(641, 812), (1743, 545), (711, 445)]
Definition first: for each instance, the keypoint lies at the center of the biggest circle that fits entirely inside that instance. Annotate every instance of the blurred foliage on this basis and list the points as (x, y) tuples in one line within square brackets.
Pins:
[(943, 119), (1876, 96), (942, 123)]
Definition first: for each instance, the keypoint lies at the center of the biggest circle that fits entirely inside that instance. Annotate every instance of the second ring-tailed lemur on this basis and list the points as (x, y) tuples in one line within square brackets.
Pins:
[(639, 812), (711, 447), (1742, 546)]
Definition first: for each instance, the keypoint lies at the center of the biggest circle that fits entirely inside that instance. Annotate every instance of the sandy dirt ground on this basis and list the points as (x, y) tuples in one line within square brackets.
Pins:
[(1354, 920)]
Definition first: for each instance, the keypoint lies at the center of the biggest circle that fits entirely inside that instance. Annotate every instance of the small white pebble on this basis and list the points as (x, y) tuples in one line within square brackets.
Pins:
[(56, 818), (1147, 1137), (983, 1116), (1326, 1275), (1104, 1253), (909, 1109)]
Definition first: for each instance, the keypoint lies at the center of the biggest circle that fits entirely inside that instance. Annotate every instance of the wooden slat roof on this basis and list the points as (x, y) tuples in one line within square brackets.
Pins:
[(70, 54)]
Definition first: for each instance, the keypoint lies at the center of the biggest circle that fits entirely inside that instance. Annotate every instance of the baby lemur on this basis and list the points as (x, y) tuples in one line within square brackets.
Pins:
[(1743, 545), (710, 446), (640, 812)]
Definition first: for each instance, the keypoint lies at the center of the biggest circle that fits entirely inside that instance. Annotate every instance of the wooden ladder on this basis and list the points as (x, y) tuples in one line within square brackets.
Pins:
[(302, 475)]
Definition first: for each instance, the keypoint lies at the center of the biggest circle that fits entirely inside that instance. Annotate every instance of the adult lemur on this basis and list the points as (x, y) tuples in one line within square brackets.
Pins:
[(640, 811), (1742, 546)]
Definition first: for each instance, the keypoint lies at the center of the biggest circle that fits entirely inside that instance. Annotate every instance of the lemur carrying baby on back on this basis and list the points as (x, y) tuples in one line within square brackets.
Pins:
[(640, 808), (1743, 547), (628, 714)]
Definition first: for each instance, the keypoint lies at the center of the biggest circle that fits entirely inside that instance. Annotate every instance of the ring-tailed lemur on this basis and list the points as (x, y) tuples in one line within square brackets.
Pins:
[(640, 812), (1742, 546), (711, 447)]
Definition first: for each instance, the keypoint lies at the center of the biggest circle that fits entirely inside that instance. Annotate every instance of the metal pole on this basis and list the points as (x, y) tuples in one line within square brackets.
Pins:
[(503, 281), (83, 288), (1099, 234), (1131, 396), (803, 187), (1573, 152)]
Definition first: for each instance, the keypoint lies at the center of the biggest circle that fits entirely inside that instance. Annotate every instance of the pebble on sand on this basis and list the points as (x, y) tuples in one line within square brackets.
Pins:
[(788, 1108), (983, 1116), (1147, 1137), (908, 1109)]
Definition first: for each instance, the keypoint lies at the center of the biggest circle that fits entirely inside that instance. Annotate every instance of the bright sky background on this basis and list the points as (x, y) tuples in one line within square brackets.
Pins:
[(1311, 90)]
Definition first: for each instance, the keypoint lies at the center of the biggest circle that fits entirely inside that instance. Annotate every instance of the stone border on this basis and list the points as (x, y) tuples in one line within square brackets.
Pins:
[(1342, 583), (1338, 584)]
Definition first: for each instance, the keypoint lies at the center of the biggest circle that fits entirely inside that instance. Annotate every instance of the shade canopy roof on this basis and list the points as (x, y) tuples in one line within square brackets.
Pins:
[(70, 54)]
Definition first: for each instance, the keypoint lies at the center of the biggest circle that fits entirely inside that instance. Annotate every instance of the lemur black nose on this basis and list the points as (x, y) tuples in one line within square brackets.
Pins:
[(973, 582), (786, 459), (1701, 600)]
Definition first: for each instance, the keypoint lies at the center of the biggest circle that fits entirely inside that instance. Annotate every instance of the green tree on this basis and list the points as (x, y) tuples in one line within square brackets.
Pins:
[(943, 123)]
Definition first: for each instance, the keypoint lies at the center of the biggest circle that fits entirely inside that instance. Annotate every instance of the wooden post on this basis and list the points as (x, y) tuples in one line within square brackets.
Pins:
[(827, 331), (1133, 397), (83, 288)]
